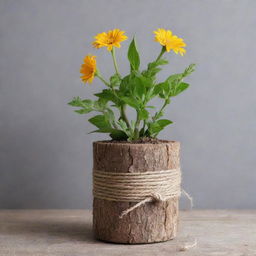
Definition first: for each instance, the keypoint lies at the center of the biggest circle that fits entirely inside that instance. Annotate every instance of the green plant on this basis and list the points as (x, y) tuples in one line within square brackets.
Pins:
[(135, 90)]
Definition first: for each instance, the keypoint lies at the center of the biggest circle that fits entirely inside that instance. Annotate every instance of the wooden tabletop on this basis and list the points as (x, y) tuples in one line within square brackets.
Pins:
[(69, 233)]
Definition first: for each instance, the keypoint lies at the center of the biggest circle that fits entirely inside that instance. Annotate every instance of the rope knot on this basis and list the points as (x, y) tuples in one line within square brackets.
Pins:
[(157, 197), (153, 197)]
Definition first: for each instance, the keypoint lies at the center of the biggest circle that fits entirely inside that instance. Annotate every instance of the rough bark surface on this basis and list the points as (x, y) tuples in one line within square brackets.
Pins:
[(153, 222)]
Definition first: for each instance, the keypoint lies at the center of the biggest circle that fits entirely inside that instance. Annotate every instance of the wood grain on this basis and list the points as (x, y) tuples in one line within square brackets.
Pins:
[(152, 222)]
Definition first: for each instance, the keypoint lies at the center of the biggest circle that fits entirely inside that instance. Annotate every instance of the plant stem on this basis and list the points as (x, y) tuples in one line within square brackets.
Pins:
[(137, 125), (166, 102), (143, 128), (161, 53), (101, 78), (123, 115), (113, 53), (122, 108), (115, 126)]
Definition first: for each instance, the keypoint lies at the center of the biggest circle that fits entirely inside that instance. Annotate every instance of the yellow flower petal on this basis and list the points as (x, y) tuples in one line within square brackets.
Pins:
[(111, 39), (88, 69), (170, 41)]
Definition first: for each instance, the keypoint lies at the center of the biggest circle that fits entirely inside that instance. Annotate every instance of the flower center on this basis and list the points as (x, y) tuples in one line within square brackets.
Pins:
[(110, 40)]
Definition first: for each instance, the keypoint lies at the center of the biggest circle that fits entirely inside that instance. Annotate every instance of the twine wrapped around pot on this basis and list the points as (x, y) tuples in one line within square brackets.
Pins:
[(140, 187)]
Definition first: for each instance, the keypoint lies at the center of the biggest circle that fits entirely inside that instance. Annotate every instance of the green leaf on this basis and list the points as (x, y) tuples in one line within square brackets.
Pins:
[(139, 86), (139, 90), (153, 68), (143, 114), (173, 86), (100, 105), (125, 84), (131, 102), (78, 102), (161, 62), (174, 79), (157, 63), (156, 127), (180, 88), (86, 105), (108, 95), (177, 86), (157, 89), (115, 80), (164, 122), (133, 55), (163, 89), (122, 125), (190, 69), (100, 121), (110, 116), (146, 81), (133, 124), (83, 111), (118, 135)]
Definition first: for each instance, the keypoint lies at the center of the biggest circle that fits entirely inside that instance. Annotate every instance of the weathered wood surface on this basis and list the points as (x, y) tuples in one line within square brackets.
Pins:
[(152, 222), (69, 233)]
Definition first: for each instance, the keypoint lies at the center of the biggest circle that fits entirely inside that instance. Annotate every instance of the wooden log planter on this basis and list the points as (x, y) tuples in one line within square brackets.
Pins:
[(154, 221)]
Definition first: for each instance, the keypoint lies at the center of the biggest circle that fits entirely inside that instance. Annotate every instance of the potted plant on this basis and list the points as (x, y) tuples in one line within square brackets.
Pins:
[(136, 177)]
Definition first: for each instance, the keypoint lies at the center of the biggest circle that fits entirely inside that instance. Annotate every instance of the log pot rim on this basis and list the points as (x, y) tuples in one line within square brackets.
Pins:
[(130, 144)]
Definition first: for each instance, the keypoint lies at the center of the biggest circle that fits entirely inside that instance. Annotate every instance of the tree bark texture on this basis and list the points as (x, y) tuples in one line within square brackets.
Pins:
[(152, 222)]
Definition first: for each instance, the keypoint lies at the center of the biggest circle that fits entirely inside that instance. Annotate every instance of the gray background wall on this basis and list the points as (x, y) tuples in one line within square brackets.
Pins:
[(45, 151)]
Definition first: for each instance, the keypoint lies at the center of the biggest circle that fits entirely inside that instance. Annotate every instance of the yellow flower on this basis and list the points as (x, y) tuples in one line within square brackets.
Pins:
[(109, 39), (88, 69), (170, 41)]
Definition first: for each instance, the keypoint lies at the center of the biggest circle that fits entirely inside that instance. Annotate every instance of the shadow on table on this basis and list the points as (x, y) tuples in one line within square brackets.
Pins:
[(50, 229)]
